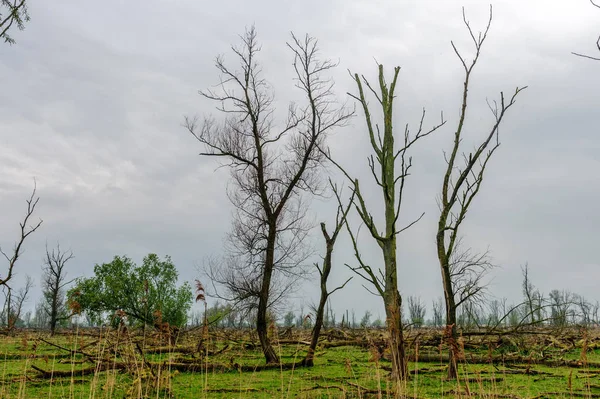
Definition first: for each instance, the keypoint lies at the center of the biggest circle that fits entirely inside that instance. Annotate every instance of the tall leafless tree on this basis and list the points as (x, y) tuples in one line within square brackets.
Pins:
[(597, 41), (12, 12), (273, 168), (54, 281), (383, 165), (462, 181), (25, 231), (325, 271)]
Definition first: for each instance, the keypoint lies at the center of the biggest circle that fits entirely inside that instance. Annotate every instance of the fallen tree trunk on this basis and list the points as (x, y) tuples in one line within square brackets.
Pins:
[(221, 367), (169, 349), (78, 373), (363, 343), (437, 358)]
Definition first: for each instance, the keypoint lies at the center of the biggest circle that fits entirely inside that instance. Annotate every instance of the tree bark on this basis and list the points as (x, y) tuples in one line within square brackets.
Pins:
[(395, 329), (453, 353), (393, 308), (53, 313), (263, 302), (451, 331), (309, 359), (316, 332)]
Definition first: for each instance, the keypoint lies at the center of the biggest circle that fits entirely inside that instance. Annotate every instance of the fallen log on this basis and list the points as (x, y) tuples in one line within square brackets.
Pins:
[(436, 358), (292, 342), (233, 390), (566, 395), (169, 349), (363, 343), (78, 373), (70, 351), (221, 367)]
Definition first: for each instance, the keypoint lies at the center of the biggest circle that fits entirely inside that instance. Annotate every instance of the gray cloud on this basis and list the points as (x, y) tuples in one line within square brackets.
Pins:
[(93, 97)]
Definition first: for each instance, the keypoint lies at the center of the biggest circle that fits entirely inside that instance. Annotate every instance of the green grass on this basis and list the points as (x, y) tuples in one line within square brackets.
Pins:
[(339, 372)]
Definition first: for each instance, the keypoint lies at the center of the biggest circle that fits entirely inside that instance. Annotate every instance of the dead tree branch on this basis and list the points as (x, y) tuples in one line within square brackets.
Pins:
[(25, 231), (597, 42)]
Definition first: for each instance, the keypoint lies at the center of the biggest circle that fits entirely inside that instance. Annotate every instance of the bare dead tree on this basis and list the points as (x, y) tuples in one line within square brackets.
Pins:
[(595, 309), (12, 12), (25, 231), (584, 312), (528, 313), (528, 290), (438, 313), (382, 164), (494, 312), (54, 281), (561, 304), (416, 311), (462, 181), (597, 41), (533, 299), (273, 169), (325, 271), (13, 303)]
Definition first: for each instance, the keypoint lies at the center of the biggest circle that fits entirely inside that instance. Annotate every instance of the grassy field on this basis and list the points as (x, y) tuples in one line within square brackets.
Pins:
[(349, 364)]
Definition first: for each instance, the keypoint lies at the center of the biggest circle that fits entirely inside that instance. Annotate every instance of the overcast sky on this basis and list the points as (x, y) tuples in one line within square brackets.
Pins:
[(94, 94)]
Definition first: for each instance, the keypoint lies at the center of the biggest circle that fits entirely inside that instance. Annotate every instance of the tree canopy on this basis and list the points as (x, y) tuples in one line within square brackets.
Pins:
[(146, 294)]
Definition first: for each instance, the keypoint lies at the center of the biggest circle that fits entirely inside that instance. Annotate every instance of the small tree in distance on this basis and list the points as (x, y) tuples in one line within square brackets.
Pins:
[(54, 281), (13, 304), (365, 322), (438, 312), (416, 311), (288, 319)]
